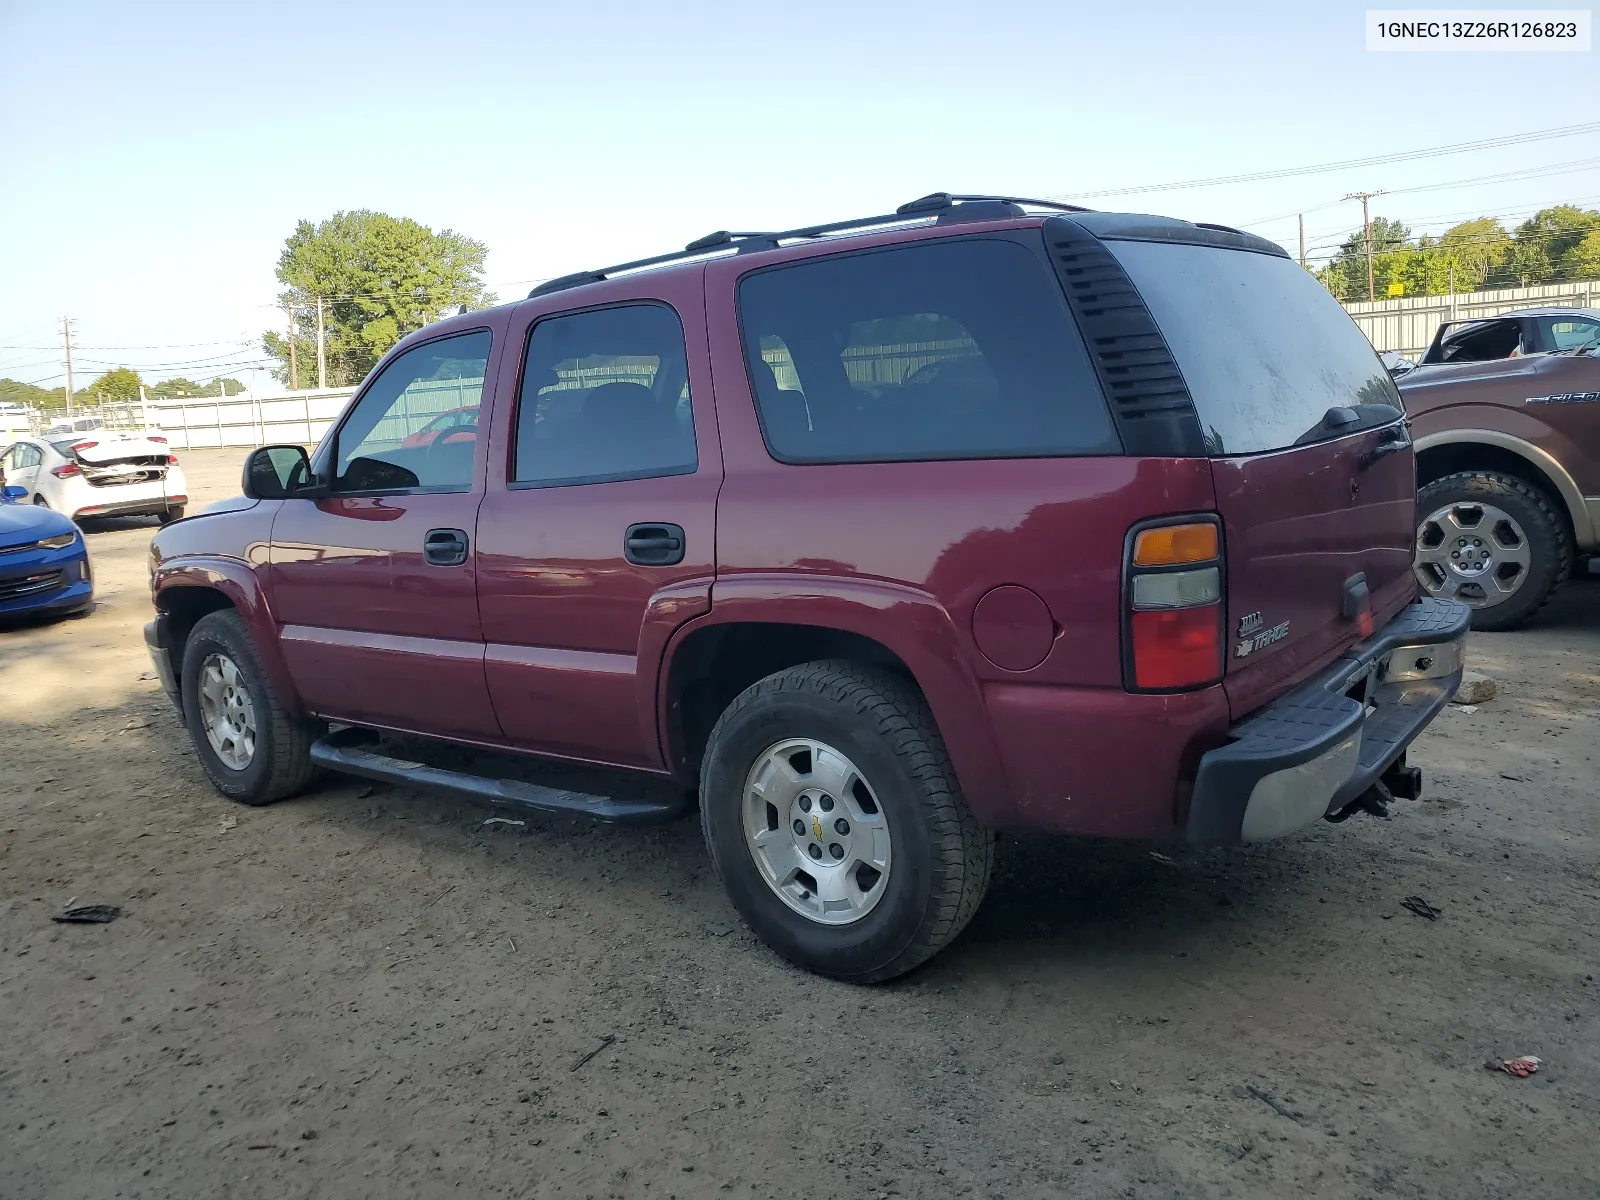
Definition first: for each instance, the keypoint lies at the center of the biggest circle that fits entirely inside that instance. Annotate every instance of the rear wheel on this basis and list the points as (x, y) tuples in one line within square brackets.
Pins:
[(172, 514), (836, 823), (251, 748), (1493, 541), (40, 501)]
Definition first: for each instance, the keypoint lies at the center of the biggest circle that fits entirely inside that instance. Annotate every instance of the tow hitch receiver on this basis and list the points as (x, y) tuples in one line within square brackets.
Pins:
[(1399, 782)]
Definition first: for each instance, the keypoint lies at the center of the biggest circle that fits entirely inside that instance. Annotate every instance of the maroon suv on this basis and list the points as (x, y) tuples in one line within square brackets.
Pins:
[(879, 536)]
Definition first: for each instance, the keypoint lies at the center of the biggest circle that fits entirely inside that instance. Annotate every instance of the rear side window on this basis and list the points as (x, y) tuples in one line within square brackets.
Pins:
[(1267, 353), (605, 397), (944, 350)]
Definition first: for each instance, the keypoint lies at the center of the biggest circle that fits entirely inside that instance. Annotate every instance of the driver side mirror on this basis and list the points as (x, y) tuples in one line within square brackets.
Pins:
[(280, 473)]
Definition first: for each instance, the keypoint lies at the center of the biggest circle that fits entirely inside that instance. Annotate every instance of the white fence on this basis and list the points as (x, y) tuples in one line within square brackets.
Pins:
[(1407, 325), (253, 419)]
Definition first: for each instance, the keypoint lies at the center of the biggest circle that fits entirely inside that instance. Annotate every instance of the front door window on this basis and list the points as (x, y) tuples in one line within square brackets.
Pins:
[(415, 428)]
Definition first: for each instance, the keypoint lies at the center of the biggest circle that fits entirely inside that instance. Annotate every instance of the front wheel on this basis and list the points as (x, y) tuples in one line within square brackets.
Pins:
[(1493, 541), (836, 823), (252, 750)]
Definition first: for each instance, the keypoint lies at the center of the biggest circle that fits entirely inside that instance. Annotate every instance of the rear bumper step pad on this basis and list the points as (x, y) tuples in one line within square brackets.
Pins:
[(1317, 749)]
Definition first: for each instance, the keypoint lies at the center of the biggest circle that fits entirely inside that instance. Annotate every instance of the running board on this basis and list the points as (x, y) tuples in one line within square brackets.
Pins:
[(343, 751)]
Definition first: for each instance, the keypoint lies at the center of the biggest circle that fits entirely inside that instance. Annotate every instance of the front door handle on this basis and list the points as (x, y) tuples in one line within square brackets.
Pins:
[(445, 547), (653, 545)]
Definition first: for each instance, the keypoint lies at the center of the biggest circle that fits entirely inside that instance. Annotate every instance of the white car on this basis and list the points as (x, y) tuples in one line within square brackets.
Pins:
[(99, 474), (63, 429)]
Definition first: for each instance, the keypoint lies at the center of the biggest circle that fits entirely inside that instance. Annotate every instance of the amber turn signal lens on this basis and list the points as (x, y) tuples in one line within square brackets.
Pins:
[(1170, 545)]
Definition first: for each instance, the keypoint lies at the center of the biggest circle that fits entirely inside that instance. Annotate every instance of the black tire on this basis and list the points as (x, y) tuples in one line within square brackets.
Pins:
[(281, 764), (941, 860), (1549, 541), (40, 501), (171, 515)]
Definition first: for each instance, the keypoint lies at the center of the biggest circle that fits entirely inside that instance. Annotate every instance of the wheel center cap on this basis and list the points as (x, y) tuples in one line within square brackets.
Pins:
[(821, 830)]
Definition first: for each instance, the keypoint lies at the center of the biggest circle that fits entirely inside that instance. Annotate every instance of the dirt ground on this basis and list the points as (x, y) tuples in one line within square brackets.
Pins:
[(362, 993)]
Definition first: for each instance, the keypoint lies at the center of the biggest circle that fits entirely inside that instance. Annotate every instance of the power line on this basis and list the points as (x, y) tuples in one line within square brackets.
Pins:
[(1513, 139), (1581, 164)]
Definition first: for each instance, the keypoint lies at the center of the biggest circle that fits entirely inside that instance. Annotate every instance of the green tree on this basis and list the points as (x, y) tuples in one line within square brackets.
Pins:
[(1346, 275), (1542, 242), (122, 383), (13, 391), (1476, 248), (1583, 260), (379, 277), (175, 388)]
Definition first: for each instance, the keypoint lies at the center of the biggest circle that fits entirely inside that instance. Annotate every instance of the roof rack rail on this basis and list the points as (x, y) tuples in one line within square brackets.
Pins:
[(940, 205)]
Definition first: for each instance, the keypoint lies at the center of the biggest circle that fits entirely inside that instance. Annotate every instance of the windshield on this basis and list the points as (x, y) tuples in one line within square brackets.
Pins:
[(1267, 353)]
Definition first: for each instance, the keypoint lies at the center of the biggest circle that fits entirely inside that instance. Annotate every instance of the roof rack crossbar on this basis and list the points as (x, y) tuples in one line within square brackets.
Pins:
[(942, 200)]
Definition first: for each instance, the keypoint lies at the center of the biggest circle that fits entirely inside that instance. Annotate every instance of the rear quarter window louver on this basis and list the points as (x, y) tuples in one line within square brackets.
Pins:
[(1154, 411)]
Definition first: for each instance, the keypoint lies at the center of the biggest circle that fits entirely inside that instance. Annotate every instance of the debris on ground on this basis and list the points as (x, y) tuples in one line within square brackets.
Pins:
[(718, 929), (1271, 1102), (1514, 778), (229, 823), (1421, 907), (89, 914), (1476, 688), (504, 821), (604, 1042), (365, 791), (1162, 858), (1466, 708), (1521, 1067)]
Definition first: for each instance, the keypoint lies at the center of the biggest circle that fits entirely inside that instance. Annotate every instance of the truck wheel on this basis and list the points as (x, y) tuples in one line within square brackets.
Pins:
[(167, 516), (1493, 541), (836, 823), (252, 750)]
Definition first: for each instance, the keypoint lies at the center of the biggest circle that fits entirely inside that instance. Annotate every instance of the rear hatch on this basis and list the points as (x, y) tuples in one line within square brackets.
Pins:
[(1305, 430), (109, 459)]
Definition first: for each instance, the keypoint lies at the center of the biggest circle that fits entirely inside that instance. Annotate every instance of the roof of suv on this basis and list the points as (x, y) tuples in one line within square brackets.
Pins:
[(939, 208)]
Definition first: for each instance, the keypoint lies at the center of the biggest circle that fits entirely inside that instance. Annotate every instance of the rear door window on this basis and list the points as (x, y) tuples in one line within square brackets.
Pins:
[(1267, 353), (1568, 333), (942, 350), (605, 397)]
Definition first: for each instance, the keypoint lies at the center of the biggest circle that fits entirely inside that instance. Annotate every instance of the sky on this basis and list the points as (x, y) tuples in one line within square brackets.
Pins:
[(154, 157)]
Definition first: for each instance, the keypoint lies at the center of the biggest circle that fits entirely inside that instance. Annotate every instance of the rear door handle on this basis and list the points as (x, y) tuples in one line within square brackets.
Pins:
[(653, 545), (445, 547)]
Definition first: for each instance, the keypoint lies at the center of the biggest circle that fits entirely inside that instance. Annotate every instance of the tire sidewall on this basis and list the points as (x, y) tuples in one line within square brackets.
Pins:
[(864, 946), (211, 636), (1539, 525)]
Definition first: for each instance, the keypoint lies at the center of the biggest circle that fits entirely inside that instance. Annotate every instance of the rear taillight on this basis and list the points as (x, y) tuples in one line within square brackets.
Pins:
[(79, 446), (151, 437), (1173, 593), (65, 470), (172, 459)]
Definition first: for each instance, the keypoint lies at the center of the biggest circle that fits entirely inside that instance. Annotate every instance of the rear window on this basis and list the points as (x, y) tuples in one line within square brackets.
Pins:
[(1265, 350), (943, 350)]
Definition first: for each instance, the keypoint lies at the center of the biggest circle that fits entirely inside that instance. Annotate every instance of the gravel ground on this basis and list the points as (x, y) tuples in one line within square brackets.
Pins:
[(370, 993)]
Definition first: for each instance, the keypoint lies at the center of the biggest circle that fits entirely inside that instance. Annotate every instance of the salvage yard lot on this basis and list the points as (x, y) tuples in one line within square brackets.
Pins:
[(372, 993)]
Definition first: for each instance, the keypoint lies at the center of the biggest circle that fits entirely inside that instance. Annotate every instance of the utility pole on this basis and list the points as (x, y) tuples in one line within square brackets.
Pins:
[(322, 355), (1366, 235), (66, 338), (294, 365), (1302, 241)]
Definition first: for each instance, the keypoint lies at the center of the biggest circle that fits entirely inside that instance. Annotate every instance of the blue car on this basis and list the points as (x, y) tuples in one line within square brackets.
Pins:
[(44, 565)]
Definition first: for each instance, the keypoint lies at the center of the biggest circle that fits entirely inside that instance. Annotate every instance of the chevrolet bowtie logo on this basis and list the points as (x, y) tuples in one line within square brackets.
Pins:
[(816, 828)]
